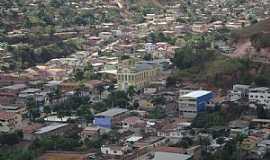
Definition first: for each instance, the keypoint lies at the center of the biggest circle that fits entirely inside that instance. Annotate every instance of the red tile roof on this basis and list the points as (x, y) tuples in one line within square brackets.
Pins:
[(7, 115)]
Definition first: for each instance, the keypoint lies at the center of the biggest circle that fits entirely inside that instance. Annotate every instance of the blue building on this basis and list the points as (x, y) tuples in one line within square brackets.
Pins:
[(192, 103), (109, 118)]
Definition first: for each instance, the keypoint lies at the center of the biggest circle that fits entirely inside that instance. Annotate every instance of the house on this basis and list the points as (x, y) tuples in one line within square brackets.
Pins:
[(90, 132), (9, 79), (149, 47), (171, 156), (174, 130), (249, 143), (238, 92), (10, 121), (151, 142), (18, 109), (16, 88), (239, 127), (110, 117), (105, 35), (114, 150), (29, 92), (96, 87), (192, 103), (260, 123), (52, 85), (260, 95), (132, 122), (199, 28)]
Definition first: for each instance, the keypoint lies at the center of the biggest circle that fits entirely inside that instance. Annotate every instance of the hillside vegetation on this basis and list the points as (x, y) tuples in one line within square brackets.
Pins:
[(199, 62), (247, 32)]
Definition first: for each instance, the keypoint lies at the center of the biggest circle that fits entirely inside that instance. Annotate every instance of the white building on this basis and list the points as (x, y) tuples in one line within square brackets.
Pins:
[(114, 150), (192, 103), (239, 91), (149, 47), (260, 95)]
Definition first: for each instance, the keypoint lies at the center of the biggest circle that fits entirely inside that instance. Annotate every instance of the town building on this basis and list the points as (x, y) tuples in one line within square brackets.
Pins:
[(174, 131), (114, 150), (192, 103), (138, 75), (110, 117), (90, 132), (260, 95), (238, 92)]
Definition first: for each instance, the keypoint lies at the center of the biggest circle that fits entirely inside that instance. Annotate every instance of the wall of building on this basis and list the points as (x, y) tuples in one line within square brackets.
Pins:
[(105, 122), (202, 102)]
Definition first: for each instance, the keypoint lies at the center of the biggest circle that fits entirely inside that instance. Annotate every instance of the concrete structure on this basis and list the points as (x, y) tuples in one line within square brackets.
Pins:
[(174, 131), (192, 103), (171, 156), (149, 47), (110, 117), (239, 91), (54, 129), (260, 95), (136, 74), (90, 132), (114, 150)]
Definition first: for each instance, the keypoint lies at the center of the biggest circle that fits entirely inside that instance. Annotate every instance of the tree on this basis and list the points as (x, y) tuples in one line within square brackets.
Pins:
[(99, 107), (78, 75), (186, 142), (85, 113), (100, 90), (47, 109), (171, 81), (206, 120), (17, 154), (220, 140), (89, 73), (117, 99), (131, 91), (33, 108), (147, 57), (11, 138), (261, 112), (159, 100), (157, 113)]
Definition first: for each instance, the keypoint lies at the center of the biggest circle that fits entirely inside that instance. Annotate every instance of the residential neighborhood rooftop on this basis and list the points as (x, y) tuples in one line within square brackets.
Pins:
[(112, 112)]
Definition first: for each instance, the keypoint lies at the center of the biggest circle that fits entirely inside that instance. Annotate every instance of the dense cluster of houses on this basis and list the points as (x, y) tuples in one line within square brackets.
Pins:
[(116, 52)]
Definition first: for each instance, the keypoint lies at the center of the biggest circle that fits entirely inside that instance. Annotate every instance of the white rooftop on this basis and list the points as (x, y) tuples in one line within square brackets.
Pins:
[(112, 112), (134, 139), (56, 119), (196, 94), (171, 156), (49, 128), (109, 71)]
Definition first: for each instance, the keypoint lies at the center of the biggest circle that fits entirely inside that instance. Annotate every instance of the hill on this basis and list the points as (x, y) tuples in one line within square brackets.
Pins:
[(248, 32), (253, 40)]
